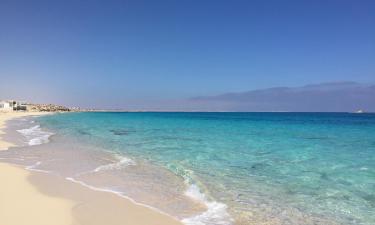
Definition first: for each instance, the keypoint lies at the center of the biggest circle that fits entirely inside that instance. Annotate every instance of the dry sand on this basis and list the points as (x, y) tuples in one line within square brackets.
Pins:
[(22, 203), (32, 198)]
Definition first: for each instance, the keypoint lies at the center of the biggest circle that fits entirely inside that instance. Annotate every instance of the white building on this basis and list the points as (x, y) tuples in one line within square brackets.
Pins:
[(6, 105), (12, 105)]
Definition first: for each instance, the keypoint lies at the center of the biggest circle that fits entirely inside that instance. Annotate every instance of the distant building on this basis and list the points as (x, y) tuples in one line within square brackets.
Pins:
[(12, 105), (20, 106), (6, 105)]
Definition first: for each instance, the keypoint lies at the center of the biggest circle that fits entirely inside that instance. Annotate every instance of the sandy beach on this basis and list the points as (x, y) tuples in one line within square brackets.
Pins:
[(34, 198)]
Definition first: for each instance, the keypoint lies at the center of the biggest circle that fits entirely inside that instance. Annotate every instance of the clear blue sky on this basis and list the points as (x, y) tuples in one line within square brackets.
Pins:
[(126, 51)]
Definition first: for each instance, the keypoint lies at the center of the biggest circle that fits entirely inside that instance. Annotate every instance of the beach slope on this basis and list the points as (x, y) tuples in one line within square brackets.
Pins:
[(32, 198)]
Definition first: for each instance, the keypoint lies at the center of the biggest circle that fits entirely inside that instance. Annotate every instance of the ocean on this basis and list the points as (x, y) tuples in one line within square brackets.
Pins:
[(214, 168)]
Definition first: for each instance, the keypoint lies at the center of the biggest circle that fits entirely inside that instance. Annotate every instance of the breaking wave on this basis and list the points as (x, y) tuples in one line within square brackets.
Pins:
[(216, 213), (121, 163), (35, 135)]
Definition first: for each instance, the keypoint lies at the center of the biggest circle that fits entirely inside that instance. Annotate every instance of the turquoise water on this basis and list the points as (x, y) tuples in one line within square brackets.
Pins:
[(260, 168)]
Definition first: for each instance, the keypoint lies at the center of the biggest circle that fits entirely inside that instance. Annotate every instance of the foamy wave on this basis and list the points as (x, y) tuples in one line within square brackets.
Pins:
[(29, 131), (122, 163), (35, 135), (216, 213)]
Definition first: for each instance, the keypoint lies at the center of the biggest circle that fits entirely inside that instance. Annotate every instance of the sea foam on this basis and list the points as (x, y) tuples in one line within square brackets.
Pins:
[(35, 135), (121, 163), (216, 213)]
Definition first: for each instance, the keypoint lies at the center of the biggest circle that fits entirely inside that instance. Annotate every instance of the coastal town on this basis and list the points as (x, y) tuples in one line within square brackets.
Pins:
[(13, 105)]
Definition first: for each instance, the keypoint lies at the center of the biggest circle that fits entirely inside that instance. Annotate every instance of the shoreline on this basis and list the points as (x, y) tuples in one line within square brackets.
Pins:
[(5, 116), (72, 203)]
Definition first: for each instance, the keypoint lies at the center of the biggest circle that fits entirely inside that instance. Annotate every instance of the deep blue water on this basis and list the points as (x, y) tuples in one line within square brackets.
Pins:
[(263, 166)]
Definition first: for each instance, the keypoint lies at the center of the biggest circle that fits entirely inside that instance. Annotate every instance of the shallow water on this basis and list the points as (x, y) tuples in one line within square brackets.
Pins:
[(218, 168)]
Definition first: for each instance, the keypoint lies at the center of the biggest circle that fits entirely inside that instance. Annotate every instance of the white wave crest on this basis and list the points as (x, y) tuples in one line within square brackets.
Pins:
[(216, 213), (121, 163), (35, 135)]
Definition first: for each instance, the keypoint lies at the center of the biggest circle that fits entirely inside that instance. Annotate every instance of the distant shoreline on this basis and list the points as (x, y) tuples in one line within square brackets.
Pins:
[(156, 111)]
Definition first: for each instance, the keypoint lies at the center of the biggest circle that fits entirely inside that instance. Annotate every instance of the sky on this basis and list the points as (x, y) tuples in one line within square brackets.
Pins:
[(114, 54)]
